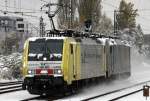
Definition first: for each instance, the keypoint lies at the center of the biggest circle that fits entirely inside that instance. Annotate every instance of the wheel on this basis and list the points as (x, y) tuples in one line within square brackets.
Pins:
[(23, 86)]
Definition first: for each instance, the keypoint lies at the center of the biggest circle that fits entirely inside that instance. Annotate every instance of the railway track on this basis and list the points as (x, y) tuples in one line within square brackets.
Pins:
[(47, 98), (10, 83), (119, 90), (10, 87), (32, 98), (119, 97)]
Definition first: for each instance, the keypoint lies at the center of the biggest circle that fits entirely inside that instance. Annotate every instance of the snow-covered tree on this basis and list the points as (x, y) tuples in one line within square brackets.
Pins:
[(10, 66), (126, 15)]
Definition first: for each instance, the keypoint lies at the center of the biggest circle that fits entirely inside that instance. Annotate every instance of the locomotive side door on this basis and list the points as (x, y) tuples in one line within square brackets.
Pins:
[(108, 59), (73, 52)]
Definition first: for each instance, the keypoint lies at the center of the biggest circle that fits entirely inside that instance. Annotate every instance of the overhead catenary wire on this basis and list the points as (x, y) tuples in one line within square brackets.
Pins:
[(139, 10), (21, 8), (44, 1), (109, 4), (20, 13), (144, 18), (25, 13), (38, 11)]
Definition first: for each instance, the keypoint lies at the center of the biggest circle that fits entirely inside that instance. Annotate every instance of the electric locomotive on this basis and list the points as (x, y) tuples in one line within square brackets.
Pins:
[(52, 63)]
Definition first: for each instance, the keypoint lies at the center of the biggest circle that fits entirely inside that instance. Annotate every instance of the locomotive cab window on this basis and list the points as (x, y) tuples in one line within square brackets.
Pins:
[(37, 46), (54, 49), (54, 46), (50, 48)]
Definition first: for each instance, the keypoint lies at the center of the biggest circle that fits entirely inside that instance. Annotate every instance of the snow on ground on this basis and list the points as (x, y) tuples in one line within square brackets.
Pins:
[(6, 80), (135, 96), (16, 96)]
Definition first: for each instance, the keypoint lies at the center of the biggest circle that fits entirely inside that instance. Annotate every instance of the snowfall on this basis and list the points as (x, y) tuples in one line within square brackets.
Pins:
[(140, 69)]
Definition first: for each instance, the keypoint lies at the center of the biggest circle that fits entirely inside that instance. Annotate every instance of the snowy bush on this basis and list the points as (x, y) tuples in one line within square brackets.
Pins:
[(10, 66), (134, 37)]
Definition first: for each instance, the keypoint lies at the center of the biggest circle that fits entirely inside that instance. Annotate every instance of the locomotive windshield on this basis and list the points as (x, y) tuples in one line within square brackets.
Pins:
[(36, 47), (50, 48), (54, 46)]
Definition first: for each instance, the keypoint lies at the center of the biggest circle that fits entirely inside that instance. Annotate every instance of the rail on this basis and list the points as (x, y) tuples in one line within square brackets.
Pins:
[(10, 83), (119, 97), (118, 90), (10, 87)]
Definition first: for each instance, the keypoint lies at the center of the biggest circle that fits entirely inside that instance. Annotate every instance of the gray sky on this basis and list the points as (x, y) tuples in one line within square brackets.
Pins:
[(108, 8)]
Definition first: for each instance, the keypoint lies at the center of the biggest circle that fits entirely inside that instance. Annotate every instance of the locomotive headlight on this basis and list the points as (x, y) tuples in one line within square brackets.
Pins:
[(30, 71), (58, 71), (44, 58)]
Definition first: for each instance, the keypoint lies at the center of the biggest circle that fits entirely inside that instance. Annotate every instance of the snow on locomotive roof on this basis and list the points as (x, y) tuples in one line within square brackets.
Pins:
[(113, 41), (123, 42), (110, 41), (102, 40), (46, 38)]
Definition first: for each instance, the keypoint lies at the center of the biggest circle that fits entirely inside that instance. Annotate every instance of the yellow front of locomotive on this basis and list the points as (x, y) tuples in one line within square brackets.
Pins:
[(42, 60)]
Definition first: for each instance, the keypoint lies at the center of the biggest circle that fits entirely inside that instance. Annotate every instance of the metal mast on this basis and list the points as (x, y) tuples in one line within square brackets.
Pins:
[(6, 5), (42, 27), (68, 10)]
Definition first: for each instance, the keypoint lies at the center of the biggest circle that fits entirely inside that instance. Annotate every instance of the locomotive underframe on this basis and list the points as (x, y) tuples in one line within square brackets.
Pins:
[(42, 84)]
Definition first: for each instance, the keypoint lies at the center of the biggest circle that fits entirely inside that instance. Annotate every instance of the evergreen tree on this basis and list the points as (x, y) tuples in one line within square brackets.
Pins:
[(140, 37), (126, 15)]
